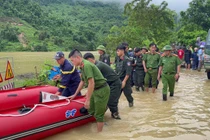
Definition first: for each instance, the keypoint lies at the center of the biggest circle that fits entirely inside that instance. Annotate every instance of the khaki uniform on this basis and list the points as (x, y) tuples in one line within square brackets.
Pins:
[(100, 95), (151, 62), (169, 64)]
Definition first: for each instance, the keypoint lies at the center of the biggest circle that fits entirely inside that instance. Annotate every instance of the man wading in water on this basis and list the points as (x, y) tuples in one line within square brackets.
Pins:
[(98, 91), (169, 66)]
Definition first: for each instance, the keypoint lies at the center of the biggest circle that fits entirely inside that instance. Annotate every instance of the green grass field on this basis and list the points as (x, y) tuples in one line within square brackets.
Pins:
[(25, 62)]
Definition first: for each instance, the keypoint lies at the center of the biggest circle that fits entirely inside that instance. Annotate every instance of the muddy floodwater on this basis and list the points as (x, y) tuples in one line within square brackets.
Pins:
[(186, 116)]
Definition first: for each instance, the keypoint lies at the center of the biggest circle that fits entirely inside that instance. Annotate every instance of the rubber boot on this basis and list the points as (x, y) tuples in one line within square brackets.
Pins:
[(164, 97), (171, 94)]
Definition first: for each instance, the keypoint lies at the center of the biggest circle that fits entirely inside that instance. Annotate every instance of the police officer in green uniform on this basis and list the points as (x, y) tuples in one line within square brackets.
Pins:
[(123, 69), (169, 66), (113, 81), (150, 63), (104, 57), (98, 91), (139, 70)]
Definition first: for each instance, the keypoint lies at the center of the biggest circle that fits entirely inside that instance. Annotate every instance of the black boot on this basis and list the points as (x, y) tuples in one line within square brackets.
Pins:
[(171, 94), (116, 116), (164, 97), (137, 88), (130, 104), (142, 87)]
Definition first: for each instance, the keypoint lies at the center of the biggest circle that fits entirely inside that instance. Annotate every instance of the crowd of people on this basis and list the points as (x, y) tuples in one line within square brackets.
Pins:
[(139, 67), (192, 58)]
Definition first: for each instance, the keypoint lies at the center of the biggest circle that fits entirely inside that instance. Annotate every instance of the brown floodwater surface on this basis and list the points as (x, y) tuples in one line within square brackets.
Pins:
[(186, 116)]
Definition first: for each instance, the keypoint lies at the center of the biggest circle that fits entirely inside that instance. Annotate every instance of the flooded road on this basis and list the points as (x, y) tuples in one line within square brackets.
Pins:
[(184, 116)]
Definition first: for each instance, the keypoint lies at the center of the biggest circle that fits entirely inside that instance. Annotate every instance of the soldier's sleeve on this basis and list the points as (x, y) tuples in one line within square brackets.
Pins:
[(128, 67), (178, 61), (66, 76), (88, 71), (161, 62), (144, 57)]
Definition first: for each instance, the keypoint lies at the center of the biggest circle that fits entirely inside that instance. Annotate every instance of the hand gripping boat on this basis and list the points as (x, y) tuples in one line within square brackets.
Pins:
[(50, 115)]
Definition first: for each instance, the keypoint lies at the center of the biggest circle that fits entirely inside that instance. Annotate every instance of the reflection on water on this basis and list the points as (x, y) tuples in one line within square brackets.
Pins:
[(185, 116)]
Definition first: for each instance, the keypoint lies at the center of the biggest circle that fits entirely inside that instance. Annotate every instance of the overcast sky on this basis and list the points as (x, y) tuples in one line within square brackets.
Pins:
[(177, 5)]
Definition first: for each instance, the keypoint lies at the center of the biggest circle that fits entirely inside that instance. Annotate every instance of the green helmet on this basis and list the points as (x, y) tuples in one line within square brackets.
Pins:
[(167, 48), (101, 47)]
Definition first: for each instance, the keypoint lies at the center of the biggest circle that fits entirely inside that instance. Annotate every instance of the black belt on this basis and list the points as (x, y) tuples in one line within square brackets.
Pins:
[(104, 85), (168, 73)]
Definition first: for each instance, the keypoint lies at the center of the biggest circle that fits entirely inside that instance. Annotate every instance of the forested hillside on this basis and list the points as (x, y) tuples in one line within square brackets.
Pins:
[(51, 25), (47, 25)]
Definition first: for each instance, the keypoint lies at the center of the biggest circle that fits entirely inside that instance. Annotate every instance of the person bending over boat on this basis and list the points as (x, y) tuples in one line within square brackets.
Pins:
[(70, 78), (113, 81), (98, 91)]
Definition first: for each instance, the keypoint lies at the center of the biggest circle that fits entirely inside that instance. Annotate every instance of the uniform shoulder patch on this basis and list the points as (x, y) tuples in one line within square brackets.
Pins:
[(129, 63)]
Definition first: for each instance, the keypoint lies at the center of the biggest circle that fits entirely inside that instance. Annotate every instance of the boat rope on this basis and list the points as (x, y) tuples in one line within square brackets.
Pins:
[(78, 102), (35, 106)]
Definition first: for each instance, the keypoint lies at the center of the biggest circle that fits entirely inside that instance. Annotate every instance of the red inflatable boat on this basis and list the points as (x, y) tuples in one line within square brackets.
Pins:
[(36, 120), (23, 96)]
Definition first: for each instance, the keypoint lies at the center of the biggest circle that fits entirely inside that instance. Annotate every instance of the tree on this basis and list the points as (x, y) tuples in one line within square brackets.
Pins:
[(146, 23), (188, 34), (157, 21), (198, 13)]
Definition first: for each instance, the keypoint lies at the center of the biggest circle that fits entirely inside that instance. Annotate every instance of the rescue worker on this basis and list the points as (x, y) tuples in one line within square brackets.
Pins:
[(169, 66), (70, 78), (126, 48), (187, 57), (144, 50), (104, 57), (113, 81), (123, 70), (98, 91), (150, 63), (131, 52), (139, 70), (195, 59)]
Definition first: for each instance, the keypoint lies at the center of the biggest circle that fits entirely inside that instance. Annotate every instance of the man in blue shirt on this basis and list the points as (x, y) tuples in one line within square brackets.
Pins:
[(195, 59), (70, 78), (200, 57)]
